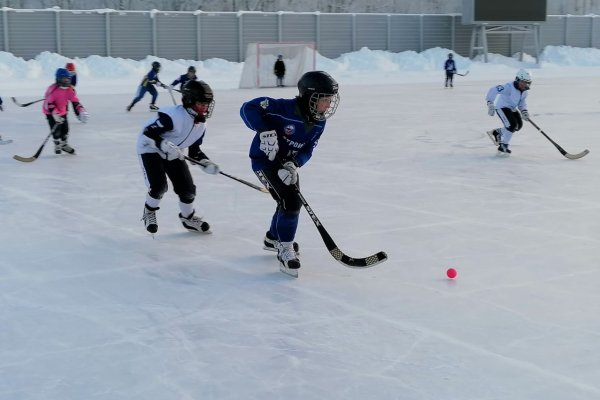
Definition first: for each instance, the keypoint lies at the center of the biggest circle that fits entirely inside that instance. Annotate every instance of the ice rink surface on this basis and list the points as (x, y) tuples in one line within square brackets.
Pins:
[(92, 307)]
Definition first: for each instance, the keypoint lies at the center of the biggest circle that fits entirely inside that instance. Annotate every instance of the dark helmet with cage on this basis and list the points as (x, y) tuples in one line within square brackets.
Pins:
[(63, 77), (192, 69), (198, 99), (319, 97), (155, 65), (450, 55)]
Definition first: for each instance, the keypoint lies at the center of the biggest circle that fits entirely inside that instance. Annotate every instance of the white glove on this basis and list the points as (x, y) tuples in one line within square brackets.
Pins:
[(491, 108), (525, 115), (269, 144), (289, 173), (209, 167), (58, 119), (83, 117), (172, 152)]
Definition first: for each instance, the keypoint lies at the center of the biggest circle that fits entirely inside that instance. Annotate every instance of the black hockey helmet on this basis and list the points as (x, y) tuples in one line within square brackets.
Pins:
[(197, 97), (314, 86), (191, 68), (155, 65)]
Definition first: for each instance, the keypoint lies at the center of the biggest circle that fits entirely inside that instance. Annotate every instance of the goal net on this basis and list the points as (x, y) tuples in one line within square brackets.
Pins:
[(260, 60)]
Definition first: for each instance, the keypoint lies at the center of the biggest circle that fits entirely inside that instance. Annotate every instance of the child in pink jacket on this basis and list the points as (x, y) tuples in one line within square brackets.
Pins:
[(57, 97)]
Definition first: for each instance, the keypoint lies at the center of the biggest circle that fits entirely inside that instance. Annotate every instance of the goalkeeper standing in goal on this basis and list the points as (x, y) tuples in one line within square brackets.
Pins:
[(279, 70), (286, 132)]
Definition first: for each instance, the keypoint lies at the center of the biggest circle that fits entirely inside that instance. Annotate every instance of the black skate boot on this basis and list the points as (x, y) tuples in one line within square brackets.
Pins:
[(503, 150)]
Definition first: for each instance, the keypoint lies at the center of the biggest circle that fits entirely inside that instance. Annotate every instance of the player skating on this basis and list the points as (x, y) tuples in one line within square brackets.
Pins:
[(450, 69), (147, 85), (57, 97), (190, 75), (160, 146), (287, 131), (509, 102)]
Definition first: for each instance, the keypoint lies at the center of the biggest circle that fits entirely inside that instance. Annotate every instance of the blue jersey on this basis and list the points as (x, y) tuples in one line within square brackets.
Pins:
[(449, 65), (151, 78), (182, 80), (296, 138)]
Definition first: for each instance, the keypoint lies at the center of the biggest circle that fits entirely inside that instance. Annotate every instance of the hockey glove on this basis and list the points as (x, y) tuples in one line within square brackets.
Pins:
[(525, 115), (58, 119), (491, 109), (83, 117), (209, 167), (289, 173), (171, 151), (268, 144)]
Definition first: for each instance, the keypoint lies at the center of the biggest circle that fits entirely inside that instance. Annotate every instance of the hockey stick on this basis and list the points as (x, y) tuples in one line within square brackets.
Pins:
[(332, 247), (253, 186), (465, 74), (170, 89), (25, 104), (560, 149), (37, 153)]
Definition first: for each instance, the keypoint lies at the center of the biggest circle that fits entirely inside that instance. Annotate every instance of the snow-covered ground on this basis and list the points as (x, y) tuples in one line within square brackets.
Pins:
[(92, 307)]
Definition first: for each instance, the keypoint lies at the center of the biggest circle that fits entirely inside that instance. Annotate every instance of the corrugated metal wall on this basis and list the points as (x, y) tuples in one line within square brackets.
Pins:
[(201, 35)]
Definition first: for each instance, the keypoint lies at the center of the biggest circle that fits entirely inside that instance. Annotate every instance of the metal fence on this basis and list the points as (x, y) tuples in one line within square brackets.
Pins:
[(203, 35)]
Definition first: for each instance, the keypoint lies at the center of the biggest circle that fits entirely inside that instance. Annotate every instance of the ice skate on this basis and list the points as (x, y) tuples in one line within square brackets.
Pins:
[(195, 224), (129, 107), (494, 136), (64, 146), (288, 260), (503, 150), (57, 146), (149, 218), (270, 244), (153, 107)]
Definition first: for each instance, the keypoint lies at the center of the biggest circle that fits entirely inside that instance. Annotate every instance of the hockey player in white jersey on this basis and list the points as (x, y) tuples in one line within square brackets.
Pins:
[(160, 149), (509, 102)]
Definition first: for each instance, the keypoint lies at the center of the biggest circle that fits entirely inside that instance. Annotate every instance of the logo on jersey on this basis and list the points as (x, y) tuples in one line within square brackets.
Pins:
[(499, 88), (289, 130), (265, 103)]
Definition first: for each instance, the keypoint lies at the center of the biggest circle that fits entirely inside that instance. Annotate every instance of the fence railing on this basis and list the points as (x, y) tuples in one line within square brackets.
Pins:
[(203, 35)]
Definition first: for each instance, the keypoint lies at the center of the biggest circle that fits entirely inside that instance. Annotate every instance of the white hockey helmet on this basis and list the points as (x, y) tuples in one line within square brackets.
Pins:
[(523, 75)]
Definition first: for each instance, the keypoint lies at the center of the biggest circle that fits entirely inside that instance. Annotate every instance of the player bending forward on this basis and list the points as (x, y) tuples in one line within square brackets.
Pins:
[(506, 101), (159, 148), (287, 131)]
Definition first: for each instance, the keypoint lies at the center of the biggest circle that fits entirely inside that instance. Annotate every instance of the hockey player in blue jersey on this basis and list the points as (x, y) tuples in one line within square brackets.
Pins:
[(286, 132), (147, 85), (450, 68), (507, 101), (190, 75)]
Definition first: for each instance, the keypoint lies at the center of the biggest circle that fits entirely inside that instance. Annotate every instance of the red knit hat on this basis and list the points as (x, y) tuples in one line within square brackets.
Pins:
[(70, 67)]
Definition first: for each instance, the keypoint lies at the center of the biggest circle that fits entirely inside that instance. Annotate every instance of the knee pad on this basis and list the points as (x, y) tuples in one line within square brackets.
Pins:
[(290, 203)]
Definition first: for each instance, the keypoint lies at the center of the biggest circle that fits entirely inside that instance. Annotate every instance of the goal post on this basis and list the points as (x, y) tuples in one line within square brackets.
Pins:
[(298, 57)]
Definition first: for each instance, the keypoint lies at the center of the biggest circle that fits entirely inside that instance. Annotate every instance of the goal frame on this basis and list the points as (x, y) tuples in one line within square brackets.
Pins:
[(260, 63)]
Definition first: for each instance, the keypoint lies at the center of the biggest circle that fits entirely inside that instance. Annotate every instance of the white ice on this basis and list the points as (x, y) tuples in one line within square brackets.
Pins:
[(92, 307)]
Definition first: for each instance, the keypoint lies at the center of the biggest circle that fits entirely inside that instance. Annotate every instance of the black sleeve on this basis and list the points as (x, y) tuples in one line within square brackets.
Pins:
[(196, 153), (163, 124)]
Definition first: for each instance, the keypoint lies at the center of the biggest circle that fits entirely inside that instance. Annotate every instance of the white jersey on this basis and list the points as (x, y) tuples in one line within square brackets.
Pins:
[(507, 96), (183, 134)]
